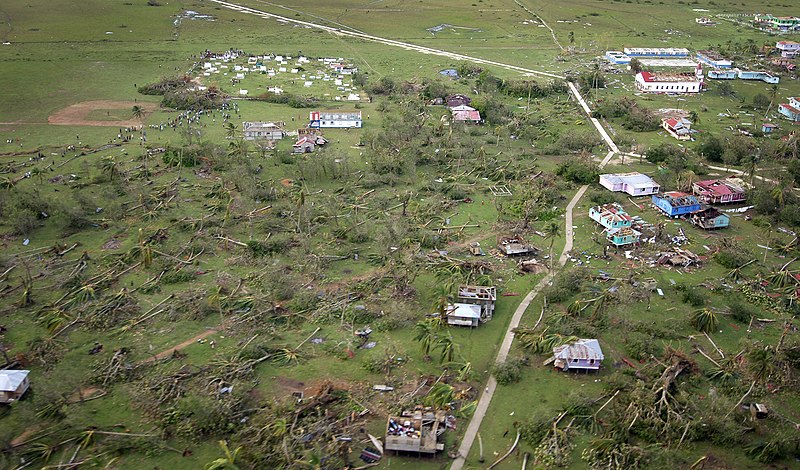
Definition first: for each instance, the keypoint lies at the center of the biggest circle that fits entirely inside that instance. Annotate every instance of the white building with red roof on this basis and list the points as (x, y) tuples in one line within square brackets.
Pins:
[(465, 113), (791, 109), (670, 82), (680, 128)]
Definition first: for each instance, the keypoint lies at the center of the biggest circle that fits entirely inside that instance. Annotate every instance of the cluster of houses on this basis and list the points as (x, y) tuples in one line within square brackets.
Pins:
[(308, 138), (686, 82), (620, 227), (777, 24)]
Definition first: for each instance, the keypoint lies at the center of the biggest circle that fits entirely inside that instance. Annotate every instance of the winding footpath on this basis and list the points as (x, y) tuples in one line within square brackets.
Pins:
[(491, 386)]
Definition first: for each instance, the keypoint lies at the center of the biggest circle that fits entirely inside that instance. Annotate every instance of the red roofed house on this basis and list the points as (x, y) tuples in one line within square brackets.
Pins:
[(666, 82), (307, 142), (791, 109), (465, 113), (720, 191), (680, 128)]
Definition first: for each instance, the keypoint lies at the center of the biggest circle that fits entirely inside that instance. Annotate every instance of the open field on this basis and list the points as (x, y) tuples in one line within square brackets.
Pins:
[(172, 285)]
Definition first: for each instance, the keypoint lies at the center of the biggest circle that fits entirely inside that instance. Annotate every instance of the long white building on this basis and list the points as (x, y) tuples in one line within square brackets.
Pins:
[(334, 119), (664, 82)]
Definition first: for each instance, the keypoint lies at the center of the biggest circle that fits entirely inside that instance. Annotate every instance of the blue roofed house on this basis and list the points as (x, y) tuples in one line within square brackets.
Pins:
[(791, 109), (584, 354), (675, 203)]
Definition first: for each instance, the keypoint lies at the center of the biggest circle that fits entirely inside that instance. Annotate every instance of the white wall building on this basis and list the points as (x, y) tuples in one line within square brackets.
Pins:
[(663, 82), (635, 184), (334, 119)]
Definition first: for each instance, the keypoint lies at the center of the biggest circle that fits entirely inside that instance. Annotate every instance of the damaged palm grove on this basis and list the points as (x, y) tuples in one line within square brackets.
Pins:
[(331, 254)]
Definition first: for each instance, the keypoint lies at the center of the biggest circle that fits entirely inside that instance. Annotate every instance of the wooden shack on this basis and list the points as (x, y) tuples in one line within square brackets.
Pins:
[(415, 431)]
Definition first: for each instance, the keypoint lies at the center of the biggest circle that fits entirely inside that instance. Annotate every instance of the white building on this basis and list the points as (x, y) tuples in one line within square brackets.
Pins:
[(13, 384), (334, 119), (617, 57), (680, 128), (635, 184), (262, 130), (463, 314), (663, 82), (789, 49), (656, 52)]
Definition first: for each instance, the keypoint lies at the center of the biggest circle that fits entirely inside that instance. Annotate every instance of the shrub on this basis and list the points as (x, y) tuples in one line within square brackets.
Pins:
[(578, 171), (741, 311), (565, 285), (508, 372), (694, 297), (732, 258)]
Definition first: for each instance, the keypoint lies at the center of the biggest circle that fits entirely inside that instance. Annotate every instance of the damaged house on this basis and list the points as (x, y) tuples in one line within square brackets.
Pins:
[(617, 224), (308, 143), (720, 191), (515, 246), (675, 203), (678, 127), (262, 131), (709, 218), (584, 354), (415, 431), (482, 296)]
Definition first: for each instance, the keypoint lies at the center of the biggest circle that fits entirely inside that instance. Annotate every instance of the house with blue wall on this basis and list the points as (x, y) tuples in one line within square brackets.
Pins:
[(709, 218), (714, 59), (758, 75), (623, 236), (618, 57), (610, 216), (719, 74), (676, 204), (617, 224)]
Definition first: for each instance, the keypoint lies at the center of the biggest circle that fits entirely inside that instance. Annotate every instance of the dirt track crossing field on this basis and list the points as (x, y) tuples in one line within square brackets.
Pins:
[(78, 113)]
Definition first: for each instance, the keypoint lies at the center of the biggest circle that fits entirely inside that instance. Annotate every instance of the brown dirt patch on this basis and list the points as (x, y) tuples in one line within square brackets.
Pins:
[(168, 352), (26, 434), (77, 114), (87, 393), (287, 183)]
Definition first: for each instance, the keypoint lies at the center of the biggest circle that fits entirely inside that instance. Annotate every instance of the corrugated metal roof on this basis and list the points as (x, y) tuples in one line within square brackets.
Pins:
[(10, 380), (581, 349)]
